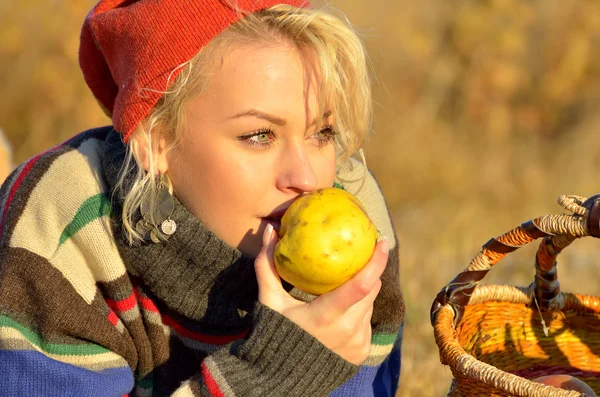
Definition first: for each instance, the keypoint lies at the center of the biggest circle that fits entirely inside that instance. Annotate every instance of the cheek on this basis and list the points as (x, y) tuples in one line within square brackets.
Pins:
[(214, 185), (243, 182), (222, 191), (196, 174), (324, 166)]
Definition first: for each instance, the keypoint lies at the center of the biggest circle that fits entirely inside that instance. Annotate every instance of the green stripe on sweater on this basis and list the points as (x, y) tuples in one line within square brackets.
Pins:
[(383, 339), (338, 185), (52, 348), (145, 383), (95, 207)]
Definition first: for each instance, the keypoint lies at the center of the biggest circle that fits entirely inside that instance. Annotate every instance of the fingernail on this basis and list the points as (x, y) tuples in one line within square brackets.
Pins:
[(267, 235), (385, 244)]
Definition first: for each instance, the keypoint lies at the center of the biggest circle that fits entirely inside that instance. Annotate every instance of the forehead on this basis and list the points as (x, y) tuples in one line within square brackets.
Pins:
[(271, 75)]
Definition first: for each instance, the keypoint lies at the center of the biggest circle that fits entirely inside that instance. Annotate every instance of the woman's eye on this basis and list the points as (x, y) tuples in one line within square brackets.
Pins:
[(262, 138), (325, 135)]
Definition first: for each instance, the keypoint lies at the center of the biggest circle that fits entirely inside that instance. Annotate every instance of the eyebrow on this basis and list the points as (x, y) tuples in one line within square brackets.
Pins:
[(269, 117)]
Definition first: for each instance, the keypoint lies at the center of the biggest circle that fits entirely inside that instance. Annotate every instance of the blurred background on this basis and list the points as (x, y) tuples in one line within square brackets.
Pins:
[(485, 112)]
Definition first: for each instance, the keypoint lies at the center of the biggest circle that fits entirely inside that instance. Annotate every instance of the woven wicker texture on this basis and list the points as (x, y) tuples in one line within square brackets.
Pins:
[(504, 339)]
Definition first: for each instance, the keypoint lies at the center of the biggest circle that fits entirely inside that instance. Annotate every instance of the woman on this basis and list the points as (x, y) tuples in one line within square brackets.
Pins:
[(137, 259)]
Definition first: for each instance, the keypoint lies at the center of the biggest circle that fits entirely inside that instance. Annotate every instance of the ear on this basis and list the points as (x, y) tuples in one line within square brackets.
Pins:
[(161, 163), (152, 159)]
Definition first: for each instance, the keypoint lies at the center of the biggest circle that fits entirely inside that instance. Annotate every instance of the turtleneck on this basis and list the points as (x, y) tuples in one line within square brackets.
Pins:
[(190, 266)]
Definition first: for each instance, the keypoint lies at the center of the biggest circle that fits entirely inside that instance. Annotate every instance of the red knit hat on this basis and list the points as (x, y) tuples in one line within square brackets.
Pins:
[(130, 45)]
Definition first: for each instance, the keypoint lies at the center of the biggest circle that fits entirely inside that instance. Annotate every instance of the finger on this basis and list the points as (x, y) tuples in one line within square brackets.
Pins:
[(363, 283), (266, 275), (368, 300), (368, 337), (368, 316), (363, 310)]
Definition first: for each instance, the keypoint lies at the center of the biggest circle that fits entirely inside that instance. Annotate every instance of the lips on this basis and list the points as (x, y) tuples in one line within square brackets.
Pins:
[(274, 218), (277, 214)]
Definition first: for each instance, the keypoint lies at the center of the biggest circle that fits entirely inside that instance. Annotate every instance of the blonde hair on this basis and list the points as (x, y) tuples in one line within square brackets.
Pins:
[(344, 89)]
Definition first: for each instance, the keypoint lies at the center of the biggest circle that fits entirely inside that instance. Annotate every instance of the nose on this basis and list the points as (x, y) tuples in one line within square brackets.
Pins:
[(296, 171)]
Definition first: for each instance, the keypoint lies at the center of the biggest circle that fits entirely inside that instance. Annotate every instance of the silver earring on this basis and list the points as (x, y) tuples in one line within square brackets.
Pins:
[(156, 224)]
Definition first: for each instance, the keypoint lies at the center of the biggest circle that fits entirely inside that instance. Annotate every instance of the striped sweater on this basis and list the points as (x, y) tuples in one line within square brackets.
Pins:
[(84, 314)]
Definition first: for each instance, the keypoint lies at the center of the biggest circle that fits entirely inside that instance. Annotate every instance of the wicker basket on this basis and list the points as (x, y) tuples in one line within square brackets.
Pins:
[(496, 338)]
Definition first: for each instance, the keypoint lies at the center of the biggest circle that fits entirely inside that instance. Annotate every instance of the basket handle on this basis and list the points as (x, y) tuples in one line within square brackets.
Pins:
[(558, 231)]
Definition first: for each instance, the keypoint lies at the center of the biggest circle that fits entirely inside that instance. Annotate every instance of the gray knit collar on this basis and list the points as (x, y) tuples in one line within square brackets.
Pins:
[(193, 272)]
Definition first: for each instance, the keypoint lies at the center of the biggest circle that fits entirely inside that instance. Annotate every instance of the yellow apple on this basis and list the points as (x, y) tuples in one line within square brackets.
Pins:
[(326, 237)]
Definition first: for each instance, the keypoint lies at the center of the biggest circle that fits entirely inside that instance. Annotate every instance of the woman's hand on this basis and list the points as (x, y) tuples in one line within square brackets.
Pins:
[(340, 319)]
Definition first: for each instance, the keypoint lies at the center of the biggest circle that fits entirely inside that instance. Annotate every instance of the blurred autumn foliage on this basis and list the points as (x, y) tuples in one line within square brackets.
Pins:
[(522, 69), (486, 111), (509, 67), (478, 79), (45, 99)]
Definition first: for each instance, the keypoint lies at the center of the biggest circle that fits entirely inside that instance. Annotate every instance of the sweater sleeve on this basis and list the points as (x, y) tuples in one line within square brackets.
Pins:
[(278, 359)]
